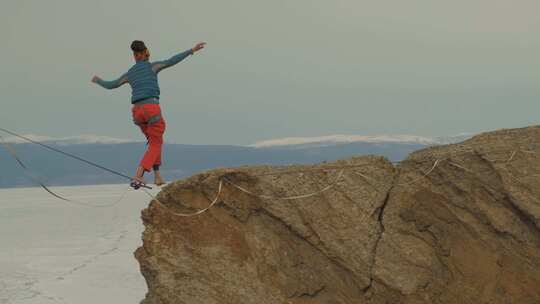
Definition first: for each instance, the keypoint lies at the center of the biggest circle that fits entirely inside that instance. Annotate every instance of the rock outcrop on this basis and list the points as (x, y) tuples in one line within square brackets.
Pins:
[(450, 224)]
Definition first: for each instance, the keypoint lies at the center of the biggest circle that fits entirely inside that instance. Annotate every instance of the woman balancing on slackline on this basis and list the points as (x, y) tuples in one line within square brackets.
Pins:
[(142, 77)]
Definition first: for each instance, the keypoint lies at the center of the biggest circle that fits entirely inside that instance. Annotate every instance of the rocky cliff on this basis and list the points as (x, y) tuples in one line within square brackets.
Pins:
[(451, 224)]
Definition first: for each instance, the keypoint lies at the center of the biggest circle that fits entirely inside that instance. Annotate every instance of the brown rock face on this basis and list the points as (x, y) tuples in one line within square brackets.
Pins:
[(451, 224)]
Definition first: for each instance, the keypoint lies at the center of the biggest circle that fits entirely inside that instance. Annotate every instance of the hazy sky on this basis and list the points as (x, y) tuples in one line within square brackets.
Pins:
[(274, 68)]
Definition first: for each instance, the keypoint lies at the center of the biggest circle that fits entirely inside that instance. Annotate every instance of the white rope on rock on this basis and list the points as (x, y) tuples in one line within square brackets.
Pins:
[(425, 174), (507, 164), (323, 168), (369, 180), (459, 166), (214, 201), (294, 197), (511, 157), (220, 187)]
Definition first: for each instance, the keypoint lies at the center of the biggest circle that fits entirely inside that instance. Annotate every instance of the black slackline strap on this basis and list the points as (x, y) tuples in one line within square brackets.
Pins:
[(71, 155), (11, 151)]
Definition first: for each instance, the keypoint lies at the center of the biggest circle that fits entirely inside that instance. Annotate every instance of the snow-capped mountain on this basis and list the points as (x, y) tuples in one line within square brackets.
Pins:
[(70, 140), (339, 139), (445, 140)]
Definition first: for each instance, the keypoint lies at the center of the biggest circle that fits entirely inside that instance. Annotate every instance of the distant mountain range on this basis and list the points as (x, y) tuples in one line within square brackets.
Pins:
[(69, 140), (330, 140), (182, 160)]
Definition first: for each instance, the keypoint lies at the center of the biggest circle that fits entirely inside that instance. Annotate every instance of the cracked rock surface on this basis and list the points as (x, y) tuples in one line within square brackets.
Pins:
[(451, 224)]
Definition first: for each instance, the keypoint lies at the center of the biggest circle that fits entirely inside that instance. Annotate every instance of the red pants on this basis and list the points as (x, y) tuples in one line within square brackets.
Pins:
[(148, 118)]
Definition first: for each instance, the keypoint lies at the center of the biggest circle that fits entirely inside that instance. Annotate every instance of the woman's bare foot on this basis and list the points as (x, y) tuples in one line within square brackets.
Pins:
[(138, 178), (158, 180)]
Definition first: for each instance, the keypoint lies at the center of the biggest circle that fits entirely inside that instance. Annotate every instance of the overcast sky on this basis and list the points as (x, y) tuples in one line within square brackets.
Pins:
[(274, 68)]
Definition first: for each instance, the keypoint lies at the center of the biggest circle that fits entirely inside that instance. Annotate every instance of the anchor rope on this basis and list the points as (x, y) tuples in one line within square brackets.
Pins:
[(40, 182)]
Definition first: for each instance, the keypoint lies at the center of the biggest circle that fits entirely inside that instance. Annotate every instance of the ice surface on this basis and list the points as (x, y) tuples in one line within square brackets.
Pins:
[(57, 252)]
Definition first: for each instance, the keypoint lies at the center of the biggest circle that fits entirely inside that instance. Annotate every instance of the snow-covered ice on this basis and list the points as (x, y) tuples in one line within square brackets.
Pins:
[(52, 251)]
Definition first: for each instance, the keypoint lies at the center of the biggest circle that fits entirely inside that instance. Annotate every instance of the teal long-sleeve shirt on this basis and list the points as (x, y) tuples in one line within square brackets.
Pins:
[(142, 77)]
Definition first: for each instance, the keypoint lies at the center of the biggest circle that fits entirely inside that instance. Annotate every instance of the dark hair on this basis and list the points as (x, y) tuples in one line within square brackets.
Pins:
[(138, 46)]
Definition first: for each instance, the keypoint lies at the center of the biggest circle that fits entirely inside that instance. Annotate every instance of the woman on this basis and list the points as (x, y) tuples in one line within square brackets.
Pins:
[(142, 77)]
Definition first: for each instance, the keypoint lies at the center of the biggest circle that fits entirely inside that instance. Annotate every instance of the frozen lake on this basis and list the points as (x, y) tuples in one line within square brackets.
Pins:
[(53, 251)]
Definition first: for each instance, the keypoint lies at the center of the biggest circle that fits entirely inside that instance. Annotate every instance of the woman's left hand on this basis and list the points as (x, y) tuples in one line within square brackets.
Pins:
[(198, 46)]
